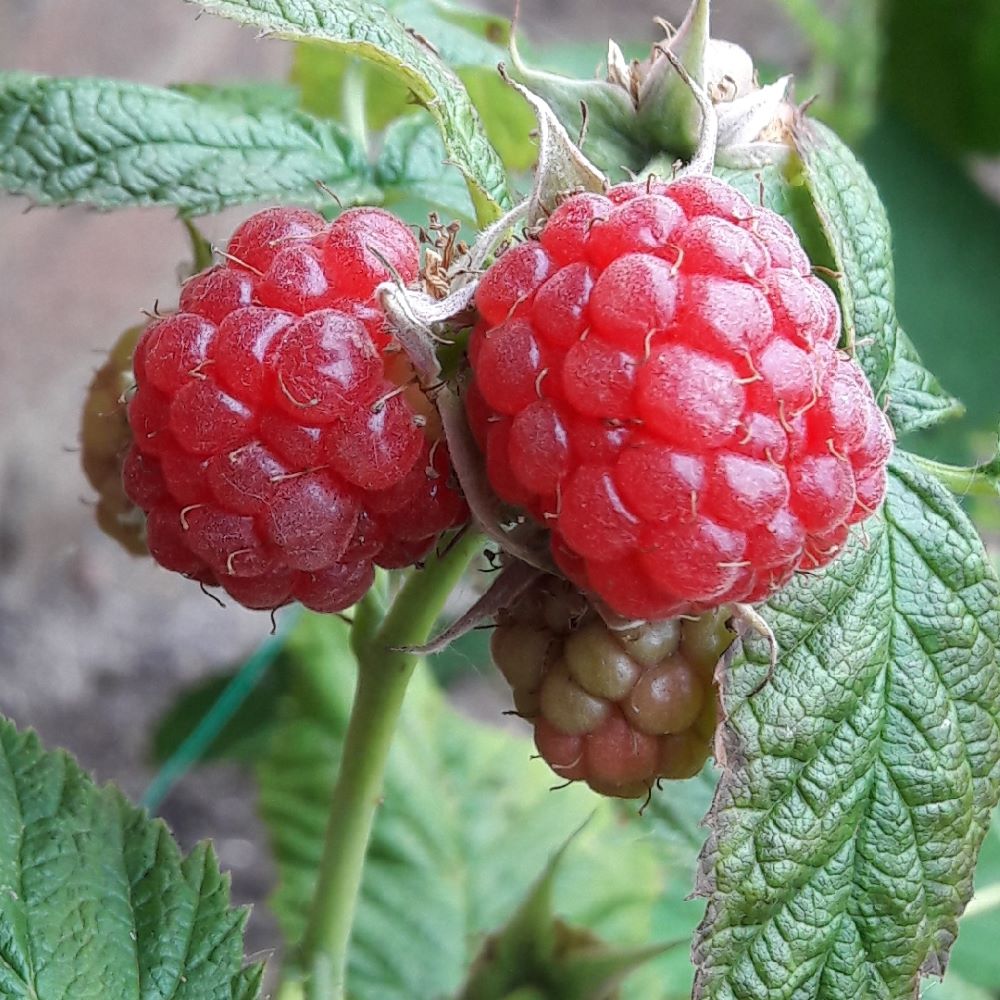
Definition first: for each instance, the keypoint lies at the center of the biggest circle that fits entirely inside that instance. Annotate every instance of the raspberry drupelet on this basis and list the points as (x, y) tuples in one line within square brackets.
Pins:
[(282, 445), (656, 379), (619, 710)]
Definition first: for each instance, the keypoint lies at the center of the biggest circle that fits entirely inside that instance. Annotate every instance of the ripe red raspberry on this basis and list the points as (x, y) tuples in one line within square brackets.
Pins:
[(104, 441), (656, 380), (282, 445), (618, 710)]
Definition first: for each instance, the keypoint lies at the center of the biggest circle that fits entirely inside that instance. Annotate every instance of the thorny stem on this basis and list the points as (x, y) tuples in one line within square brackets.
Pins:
[(965, 481), (383, 675)]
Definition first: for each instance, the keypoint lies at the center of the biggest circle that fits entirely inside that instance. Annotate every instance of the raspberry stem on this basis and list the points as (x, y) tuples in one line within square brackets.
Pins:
[(383, 675), (368, 615), (353, 106)]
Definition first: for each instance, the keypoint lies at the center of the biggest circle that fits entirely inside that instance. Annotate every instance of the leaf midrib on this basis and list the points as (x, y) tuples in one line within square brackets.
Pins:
[(895, 617), (799, 644), (736, 843), (32, 112)]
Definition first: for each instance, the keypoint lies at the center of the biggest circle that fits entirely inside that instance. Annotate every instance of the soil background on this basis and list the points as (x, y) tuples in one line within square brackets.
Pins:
[(94, 645)]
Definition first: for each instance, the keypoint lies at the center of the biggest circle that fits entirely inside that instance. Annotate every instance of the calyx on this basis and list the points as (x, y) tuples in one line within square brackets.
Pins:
[(643, 111)]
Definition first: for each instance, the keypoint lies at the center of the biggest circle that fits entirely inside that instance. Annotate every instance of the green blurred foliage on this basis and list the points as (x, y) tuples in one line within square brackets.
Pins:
[(843, 74), (243, 735), (319, 71), (942, 69), (466, 655), (946, 241), (913, 83), (975, 959)]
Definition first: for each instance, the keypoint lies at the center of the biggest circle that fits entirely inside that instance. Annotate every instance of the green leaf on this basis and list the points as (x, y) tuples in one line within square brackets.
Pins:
[(580, 59), (976, 959), (462, 37), (469, 41), (858, 782), (252, 98), (112, 144), (411, 166), (96, 900), (857, 232), (508, 120), (241, 737), (249, 983), (537, 950), (467, 824), (370, 31)]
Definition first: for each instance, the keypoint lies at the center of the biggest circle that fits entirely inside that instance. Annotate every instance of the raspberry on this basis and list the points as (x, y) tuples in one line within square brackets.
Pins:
[(104, 441), (617, 709), (282, 446), (655, 379)]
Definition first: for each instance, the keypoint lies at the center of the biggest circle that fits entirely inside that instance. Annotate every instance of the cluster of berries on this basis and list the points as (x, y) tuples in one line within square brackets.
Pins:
[(657, 381), (281, 443), (616, 709)]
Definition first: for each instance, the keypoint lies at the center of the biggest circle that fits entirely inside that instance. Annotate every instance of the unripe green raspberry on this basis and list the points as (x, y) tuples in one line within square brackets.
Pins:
[(667, 698), (522, 653), (567, 706), (703, 641), (598, 662), (650, 643), (619, 710)]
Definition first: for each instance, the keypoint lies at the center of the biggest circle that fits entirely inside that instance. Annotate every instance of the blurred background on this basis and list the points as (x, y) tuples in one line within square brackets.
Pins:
[(95, 646)]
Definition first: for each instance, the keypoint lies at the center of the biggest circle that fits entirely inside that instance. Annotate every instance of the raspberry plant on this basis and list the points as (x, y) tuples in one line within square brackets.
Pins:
[(662, 392)]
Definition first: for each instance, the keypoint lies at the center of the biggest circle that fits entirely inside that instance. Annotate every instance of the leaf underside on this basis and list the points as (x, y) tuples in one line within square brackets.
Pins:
[(96, 900), (369, 31), (858, 783), (409, 167), (112, 144)]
